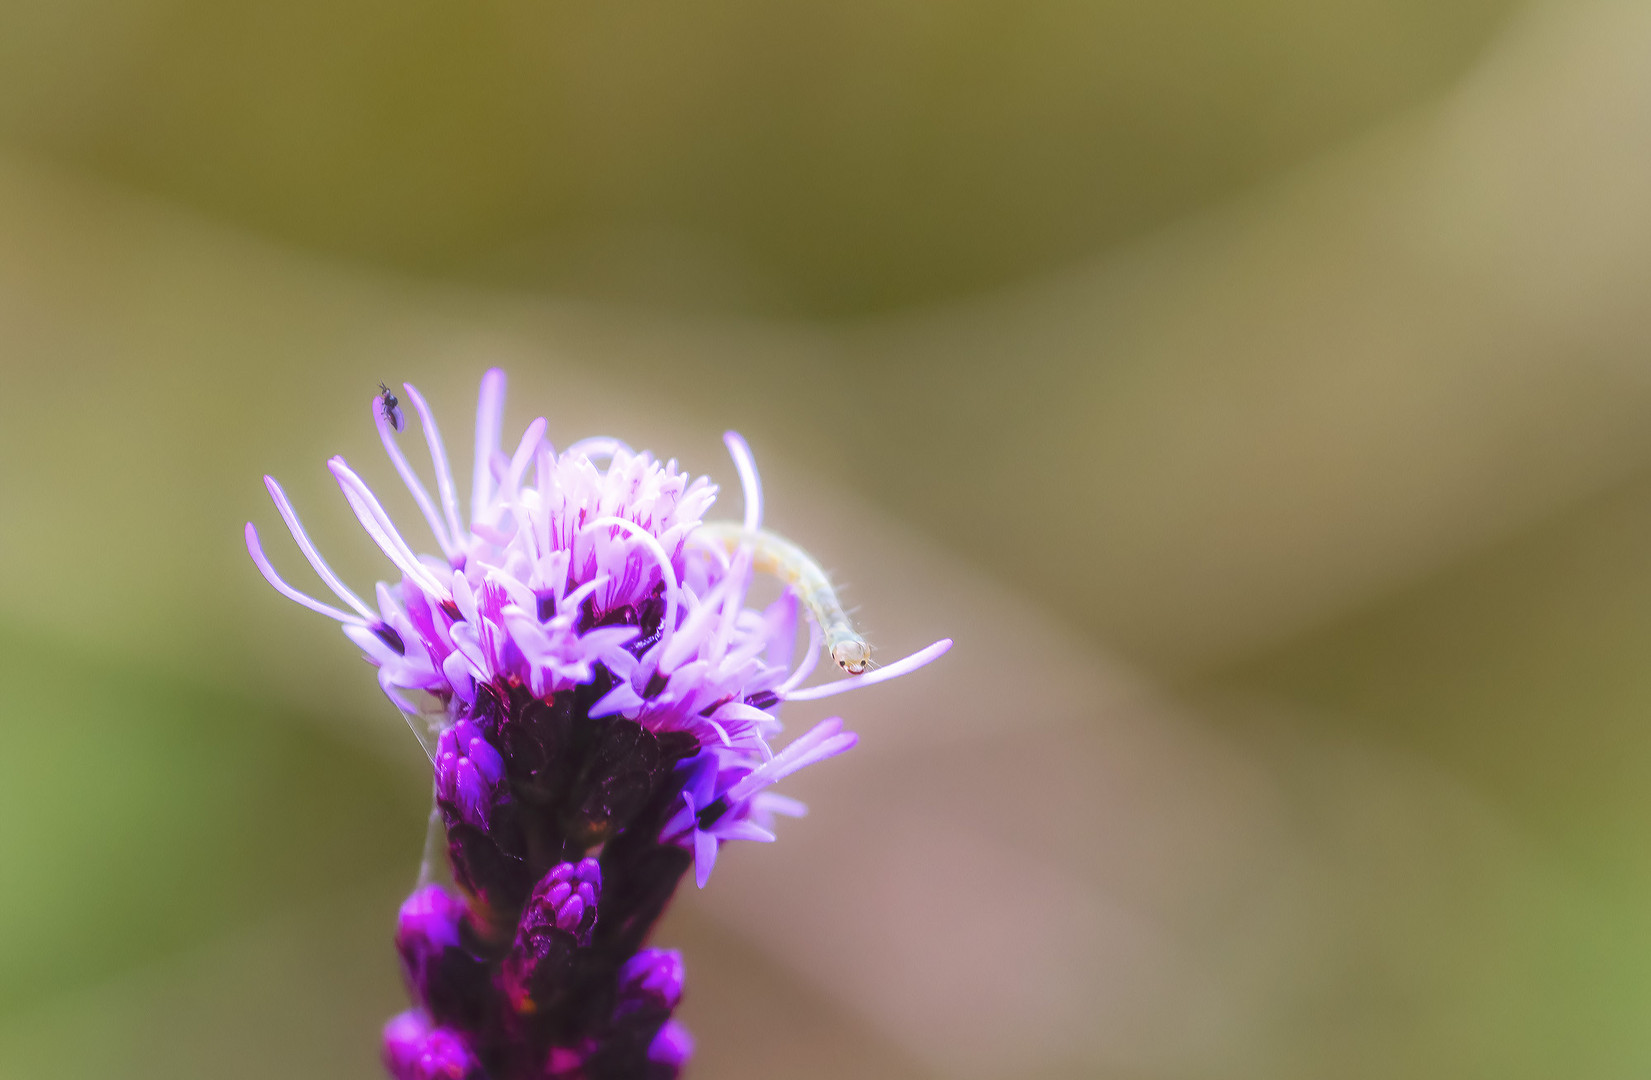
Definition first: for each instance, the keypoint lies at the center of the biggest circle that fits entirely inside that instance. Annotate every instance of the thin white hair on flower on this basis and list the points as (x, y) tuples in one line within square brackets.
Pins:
[(489, 414)]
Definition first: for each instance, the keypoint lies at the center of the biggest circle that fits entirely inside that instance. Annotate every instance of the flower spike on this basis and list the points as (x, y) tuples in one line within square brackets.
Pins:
[(598, 704)]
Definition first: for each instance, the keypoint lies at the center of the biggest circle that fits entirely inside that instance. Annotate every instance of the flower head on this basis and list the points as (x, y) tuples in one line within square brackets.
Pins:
[(597, 698)]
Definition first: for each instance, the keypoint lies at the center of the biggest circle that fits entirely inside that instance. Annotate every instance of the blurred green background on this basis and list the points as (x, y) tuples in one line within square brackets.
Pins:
[(1258, 389)]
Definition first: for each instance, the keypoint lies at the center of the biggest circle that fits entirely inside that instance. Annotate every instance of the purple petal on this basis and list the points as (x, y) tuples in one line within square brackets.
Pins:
[(570, 914), (705, 856)]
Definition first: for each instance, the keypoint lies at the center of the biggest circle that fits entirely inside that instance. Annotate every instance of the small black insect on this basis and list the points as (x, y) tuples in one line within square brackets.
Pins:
[(392, 408)]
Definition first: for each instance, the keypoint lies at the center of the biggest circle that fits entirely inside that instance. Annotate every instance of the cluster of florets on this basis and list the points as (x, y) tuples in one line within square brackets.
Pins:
[(597, 702)]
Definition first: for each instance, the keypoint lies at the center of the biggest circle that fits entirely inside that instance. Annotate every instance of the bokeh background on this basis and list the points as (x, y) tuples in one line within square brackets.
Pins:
[(1258, 390)]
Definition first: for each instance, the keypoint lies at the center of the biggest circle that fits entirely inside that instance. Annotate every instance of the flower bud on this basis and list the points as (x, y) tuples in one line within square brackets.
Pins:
[(566, 899), (650, 980), (443, 972), (643, 1040), (672, 1047), (557, 920), (413, 1050), (469, 774)]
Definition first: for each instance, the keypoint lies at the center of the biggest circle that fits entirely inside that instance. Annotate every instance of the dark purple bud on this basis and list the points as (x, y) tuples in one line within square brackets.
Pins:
[(557, 920), (650, 986), (469, 774), (443, 971), (429, 921), (566, 899), (652, 979), (413, 1050)]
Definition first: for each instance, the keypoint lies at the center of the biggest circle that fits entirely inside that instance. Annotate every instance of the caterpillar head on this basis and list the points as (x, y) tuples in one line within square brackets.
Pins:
[(852, 656)]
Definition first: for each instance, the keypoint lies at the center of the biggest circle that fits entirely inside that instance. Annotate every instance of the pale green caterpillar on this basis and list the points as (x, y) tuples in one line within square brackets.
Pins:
[(773, 554)]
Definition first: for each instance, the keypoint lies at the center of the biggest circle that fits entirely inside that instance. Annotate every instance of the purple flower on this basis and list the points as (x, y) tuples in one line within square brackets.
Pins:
[(598, 702), (556, 923), (566, 898), (443, 963), (651, 978), (413, 1050), (469, 774), (672, 1047), (723, 796)]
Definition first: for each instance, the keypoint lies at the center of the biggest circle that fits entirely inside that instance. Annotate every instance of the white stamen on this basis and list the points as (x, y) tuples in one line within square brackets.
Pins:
[(750, 484), (811, 656), (383, 531), (489, 410), (751, 487), (666, 570), (823, 740), (781, 804), (541, 531), (599, 446), (523, 457), (742, 830), (900, 667), (578, 596), (322, 570), (711, 547), (392, 447), (438, 459), (257, 552)]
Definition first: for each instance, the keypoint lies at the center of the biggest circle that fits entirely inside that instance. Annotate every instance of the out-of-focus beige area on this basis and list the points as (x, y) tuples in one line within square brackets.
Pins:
[(1260, 393)]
